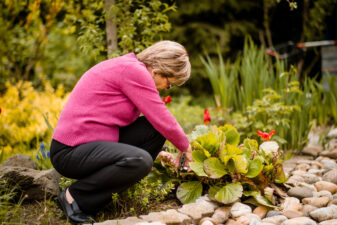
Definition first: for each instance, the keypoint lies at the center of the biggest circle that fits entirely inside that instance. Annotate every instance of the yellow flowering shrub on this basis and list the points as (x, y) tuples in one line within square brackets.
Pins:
[(23, 116)]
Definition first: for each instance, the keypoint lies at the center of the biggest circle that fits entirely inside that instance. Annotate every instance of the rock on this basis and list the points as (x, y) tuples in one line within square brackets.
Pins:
[(291, 203), (325, 185), (34, 183), (255, 222), (299, 220), (309, 186), (317, 172), (20, 160), (325, 213), (331, 154), (300, 192), (207, 221), (221, 214), (127, 221), (329, 164), (292, 214), (307, 209), (310, 178), (275, 219), (329, 222), (332, 145), (323, 194), (239, 209), (265, 223), (302, 167), (261, 211), (169, 217), (333, 202), (247, 219), (294, 180), (313, 150), (330, 176), (207, 201), (317, 202), (272, 213), (332, 133), (298, 172), (197, 210), (231, 222)]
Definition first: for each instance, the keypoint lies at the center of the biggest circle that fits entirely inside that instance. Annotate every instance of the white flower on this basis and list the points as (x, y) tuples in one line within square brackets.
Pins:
[(269, 147)]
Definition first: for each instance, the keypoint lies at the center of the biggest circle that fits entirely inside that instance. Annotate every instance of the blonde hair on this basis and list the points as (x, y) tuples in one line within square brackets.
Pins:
[(169, 59)]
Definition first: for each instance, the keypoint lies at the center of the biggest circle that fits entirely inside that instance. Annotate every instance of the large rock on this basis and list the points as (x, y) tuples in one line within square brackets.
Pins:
[(300, 192), (197, 211), (20, 160), (313, 150), (325, 185), (239, 209), (275, 219), (34, 183), (332, 133), (169, 217), (329, 222), (330, 176), (299, 221), (221, 214), (325, 213)]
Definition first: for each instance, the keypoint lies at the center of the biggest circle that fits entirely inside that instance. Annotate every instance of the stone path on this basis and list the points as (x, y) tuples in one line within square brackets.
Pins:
[(311, 200)]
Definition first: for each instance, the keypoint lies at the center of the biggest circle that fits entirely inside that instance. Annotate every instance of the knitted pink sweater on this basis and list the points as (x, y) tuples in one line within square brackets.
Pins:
[(110, 95)]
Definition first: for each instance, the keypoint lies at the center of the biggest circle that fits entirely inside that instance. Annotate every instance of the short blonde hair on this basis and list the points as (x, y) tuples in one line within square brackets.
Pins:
[(169, 59)]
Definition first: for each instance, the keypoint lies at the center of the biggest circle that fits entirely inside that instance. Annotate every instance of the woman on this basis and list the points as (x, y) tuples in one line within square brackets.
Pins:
[(101, 141)]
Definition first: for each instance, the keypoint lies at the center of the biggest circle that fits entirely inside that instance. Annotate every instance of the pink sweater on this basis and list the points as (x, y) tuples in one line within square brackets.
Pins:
[(110, 95)]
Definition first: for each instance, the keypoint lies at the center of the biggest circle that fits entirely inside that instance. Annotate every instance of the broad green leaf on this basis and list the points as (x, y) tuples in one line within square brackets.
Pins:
[(268, 193), (251, 144), (240, 164), (209, 142), (198, 156), (227, 153), (229, 193), (255, 167), (199, 147), (263, 201), (198, 168), (230, 164), (189, 191), (247, 152), (232, 135), (212, 191), (280, 176), (214, 168), (251, 193)]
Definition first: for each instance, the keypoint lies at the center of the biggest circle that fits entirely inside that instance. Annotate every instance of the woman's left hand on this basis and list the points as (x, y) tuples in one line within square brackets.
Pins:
[(166, 157)]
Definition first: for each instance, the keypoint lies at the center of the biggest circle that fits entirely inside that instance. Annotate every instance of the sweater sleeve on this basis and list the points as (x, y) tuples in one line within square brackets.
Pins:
[(137, 84)]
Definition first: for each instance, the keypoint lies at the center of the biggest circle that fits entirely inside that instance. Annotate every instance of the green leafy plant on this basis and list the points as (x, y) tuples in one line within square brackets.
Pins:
[(228, 171)]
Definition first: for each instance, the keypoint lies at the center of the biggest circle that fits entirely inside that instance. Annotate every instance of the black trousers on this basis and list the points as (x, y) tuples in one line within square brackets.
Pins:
[(102, 167)]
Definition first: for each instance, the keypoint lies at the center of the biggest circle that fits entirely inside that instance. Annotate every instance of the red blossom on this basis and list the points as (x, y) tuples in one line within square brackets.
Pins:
[(0, 110), (207, 117), (266, 136), (167, 99)]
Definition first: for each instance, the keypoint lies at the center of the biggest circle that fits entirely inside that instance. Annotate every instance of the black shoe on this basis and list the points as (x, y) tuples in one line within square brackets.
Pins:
[(72, 211)]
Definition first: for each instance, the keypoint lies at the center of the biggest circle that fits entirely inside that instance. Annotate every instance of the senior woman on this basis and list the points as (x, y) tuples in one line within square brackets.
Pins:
[(101, 141)]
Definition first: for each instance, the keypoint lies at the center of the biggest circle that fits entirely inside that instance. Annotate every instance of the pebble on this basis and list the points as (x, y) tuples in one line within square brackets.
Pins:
[(325, 185), (239, 209), (330, 176), (300, 192)]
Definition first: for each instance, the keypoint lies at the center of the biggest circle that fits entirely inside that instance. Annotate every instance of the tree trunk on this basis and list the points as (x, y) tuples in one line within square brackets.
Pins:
[(266, 22), (302, 39), (111, 29)]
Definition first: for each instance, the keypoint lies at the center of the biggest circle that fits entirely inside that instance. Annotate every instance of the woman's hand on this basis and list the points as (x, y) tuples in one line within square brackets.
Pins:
[(166, 157), (188, 158)]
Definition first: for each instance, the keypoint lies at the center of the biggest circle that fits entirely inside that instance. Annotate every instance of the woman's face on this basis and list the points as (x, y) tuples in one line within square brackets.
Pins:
[(162, 83)]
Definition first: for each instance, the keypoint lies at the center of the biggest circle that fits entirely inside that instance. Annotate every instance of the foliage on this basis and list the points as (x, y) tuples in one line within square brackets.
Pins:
[(188, 116), (227, 170), (136, 200), (23, 118)]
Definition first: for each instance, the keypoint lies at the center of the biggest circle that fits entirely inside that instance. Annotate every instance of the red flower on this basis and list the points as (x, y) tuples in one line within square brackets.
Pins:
[(167, 99), (0, 110), (207, 117), (266, 136)]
